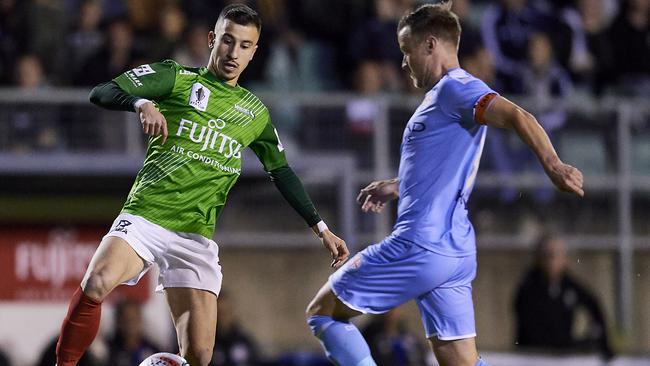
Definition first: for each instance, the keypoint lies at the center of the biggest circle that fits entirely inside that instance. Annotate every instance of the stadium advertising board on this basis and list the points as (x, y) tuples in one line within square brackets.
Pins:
[(46, 264)]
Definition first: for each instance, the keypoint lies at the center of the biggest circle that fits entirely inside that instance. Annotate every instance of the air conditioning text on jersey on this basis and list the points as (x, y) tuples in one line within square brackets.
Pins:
[(209, 137)]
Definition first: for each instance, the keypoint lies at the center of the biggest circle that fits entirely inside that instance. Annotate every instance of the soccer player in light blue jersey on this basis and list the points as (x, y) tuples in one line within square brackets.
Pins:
[(431, 254)]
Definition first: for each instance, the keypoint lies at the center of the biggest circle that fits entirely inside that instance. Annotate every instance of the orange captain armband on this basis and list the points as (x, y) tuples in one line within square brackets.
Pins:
[(482, 105)]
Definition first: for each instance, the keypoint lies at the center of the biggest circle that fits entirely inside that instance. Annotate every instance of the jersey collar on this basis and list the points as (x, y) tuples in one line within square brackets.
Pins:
[(441, 78), (204, 72)]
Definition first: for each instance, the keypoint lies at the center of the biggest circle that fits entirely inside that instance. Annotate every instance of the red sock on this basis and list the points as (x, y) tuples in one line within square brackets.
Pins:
[(79, 328)]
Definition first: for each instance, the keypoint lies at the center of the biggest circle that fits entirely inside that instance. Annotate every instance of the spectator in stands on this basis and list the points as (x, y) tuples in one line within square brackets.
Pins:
[(567, 31), (233, 346), (601, 56), (90, 358), (118, 55), (288, 69), (548, 300), (193, 52), (362, 110), (470, 37), (477, 60), (547, 83), (305, 52), (390, 341), (48, 27), (326, 27), (32, 128), (143, 15), (13, 36), (630, 35), (169, 35), (505, 28), (29, 72), (375, 40), (129, 346), (114, 9), (86, 38)]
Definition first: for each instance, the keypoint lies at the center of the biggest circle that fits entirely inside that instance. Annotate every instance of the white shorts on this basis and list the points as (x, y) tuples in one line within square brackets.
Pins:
[(184, 259)]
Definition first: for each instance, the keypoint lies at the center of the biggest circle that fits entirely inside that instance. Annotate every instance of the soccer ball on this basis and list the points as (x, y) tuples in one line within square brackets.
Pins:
[(164, 359)]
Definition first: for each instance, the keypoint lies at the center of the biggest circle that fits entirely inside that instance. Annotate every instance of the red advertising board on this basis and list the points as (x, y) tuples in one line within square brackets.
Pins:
[(47, 263)]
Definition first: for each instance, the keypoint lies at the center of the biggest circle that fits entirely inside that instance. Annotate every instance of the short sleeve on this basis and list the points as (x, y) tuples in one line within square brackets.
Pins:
[(467, 98), (269, 149), (152, 81)]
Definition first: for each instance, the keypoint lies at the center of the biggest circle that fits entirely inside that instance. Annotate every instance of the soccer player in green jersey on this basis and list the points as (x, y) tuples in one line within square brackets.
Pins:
[(199, 121)]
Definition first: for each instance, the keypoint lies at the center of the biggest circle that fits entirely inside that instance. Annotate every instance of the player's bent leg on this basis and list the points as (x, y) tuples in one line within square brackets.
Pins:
[(194, 313), (114, 262), (326, 303), (329, 320), (460, 352)]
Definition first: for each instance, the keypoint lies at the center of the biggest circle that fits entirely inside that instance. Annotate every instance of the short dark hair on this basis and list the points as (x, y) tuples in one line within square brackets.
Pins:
[(241, 14), (436, 19)]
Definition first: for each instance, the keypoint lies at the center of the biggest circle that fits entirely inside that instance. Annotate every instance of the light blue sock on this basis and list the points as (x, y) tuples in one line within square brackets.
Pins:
[(343, 343), (480, 362)]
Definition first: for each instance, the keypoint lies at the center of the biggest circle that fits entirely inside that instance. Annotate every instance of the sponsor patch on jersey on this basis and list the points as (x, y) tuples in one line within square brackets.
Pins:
[(121, 226), (199, 96), (144, 70), (134, 79), (245, 111), (187, 72)]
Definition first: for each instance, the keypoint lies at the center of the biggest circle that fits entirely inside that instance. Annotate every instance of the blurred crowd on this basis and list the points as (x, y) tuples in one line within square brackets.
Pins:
[(545, 48), (551, 52)]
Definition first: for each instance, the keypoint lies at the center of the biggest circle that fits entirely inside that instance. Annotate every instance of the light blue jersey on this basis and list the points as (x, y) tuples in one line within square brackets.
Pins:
[(431, 254), (440, 154)]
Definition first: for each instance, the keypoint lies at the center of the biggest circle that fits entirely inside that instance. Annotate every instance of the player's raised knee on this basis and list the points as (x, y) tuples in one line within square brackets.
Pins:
[(316, 307), (97, 285), (324, 303)]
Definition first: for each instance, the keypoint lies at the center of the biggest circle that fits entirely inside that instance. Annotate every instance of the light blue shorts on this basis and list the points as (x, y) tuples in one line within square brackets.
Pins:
[(386, 275)]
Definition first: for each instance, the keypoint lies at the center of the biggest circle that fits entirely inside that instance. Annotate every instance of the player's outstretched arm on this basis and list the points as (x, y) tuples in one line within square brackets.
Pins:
[(376, 194), (111, 96), (503, 113), (270, 151), (289, 185)]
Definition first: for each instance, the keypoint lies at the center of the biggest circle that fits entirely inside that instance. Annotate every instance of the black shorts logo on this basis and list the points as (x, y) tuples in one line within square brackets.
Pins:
[(121, 226)]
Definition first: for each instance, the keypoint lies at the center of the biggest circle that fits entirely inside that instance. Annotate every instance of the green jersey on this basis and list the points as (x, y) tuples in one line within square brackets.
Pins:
[(184, 183)]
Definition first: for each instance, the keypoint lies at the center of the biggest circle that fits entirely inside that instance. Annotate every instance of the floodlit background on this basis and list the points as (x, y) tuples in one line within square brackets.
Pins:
[(329, 71)]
